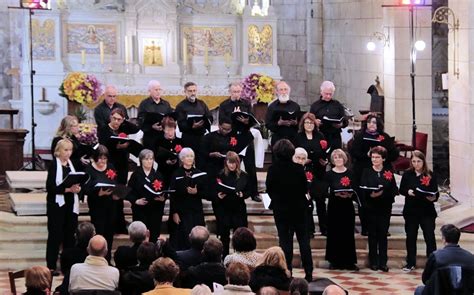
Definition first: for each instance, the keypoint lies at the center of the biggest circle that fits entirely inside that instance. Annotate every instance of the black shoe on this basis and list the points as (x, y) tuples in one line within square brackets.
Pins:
[(309, 278), (324, 233), (352, 267), (256, 198), (374, 267), (388, 234), (383, 268), (55, 273)]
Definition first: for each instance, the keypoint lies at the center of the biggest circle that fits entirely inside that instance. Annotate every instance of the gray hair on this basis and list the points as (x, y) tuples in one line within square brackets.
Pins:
[(282, 82), (201, 290), (234, 84), (108, 87), (327, 85), (301, 151), (137, 231), (153, 83), (144, 154), (184, 152)]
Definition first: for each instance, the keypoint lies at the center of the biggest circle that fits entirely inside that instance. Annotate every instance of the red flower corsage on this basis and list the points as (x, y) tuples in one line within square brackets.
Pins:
[(345, 181), (309, 176), (233, 141), (219, 180), (380, 137), (425, 180), (324, 144), (122, 135), (157, 185), (178, 148), (388, 175), (111, 174)]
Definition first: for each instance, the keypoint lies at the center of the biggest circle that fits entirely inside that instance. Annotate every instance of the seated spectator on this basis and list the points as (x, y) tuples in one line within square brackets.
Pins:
[(95, 273), (244, 244), (211, 270), (268, 291), (451, 254), (238, 277), (125, 257), (164, 272), (38, 280), (193, 256), (70, 256), (271, 271), (299, 286), (334, 290), (201, 290), (138, 279)]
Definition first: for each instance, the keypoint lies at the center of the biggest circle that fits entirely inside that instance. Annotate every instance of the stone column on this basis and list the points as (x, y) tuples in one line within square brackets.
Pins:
[(314, 26), (461, 104)]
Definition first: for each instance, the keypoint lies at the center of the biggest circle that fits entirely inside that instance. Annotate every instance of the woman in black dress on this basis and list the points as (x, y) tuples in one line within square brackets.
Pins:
[(100, 197), (340, 245), (186, 211), (62, 203), (167, 149), (146, 195), (421, 191), (316, 146), (371, 134), (379, 187), (231, 210)]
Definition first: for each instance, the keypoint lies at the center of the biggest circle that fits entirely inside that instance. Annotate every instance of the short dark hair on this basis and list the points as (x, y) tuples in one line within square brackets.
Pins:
[(450, 233), (188, 84), (84, 232), (225, 120), (380, 125), (164, 270), (380, 150), (283, 150), (238, 274), (212, 250), (100, 151), (118, 111), (146, 253), (298, 286), (168, 122), (243, 240)]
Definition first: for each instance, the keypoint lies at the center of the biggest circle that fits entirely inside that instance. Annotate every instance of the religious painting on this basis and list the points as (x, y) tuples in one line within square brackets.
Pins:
[(217, 41), (153, 49), (88, 36), (43, 39), (260, 45)]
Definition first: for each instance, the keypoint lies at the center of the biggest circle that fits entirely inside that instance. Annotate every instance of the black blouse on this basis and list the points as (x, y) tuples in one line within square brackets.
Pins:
[(181, 201), (137, 182), (418, 205), (386, 178)]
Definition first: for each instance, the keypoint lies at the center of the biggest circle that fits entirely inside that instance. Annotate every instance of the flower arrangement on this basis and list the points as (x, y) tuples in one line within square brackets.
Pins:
[(258, 88), (81, 88), (88, 134)]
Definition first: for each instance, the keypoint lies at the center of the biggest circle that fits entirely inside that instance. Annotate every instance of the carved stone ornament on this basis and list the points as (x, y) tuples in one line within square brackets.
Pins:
[(118, 5), (209, 6)]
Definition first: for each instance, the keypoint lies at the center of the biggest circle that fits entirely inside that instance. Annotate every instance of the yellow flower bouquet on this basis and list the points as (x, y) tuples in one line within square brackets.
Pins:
[(258, 88), (81, 88)]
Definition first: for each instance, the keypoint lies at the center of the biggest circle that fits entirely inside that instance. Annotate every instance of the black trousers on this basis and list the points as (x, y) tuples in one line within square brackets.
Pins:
[(62, 224), (102, 214), (151, 215), (287, 225), (378, 224), (320, 202), (427, 224), (179, 233), (334, 140)]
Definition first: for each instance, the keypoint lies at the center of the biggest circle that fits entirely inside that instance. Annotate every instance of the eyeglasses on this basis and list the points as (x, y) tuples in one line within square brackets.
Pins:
[(309, 123), (117, 119)]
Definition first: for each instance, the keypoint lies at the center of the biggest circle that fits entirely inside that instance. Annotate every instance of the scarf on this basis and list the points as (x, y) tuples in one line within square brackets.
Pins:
[(59, 178)]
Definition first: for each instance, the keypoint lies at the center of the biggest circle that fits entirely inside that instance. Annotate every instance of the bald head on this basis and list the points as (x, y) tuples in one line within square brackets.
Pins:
[(334, 290), (154, 88), (198, 236), (97, 246), (110, 95)]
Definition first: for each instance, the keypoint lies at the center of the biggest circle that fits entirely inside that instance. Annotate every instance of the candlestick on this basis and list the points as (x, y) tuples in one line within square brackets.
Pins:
[(127, 60), (43, 94), (185, 51), (206, 56), (101, 51), (83, 57), (227, 59)]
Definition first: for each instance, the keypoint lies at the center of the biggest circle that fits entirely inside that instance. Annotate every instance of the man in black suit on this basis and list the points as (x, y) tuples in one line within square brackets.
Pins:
[(125, 257), (102, 111), (193, 256), (451, 254)]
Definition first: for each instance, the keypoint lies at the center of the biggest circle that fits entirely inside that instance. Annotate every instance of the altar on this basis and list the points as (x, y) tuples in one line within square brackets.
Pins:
[(128, 43)]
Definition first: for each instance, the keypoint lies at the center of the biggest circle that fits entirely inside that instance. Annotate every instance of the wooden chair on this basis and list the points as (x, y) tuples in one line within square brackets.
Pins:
[(13, 275), (403, 161)]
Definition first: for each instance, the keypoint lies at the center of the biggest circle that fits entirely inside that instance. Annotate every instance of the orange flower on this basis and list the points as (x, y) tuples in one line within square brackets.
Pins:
[(388, 175), (111, 174), (178, 148), (157, 185), (345, 181), (425, 180)]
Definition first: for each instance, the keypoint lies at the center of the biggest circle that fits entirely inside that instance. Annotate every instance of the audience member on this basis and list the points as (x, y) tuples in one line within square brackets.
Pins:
[(138, 279), (451, 254), (38, 280), (211, 270), (193, 256), (94, 273), (271, 271), (299, 286), (244, 244), (165, 271), (268, 291), (334, 290), (126, 256), (238, 277), (201, 290)]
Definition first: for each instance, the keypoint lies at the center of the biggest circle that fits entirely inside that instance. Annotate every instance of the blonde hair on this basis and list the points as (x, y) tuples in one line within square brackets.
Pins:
[(341, 153), (64, 128), (274, 256), (232, 157), (38, 278), (62, 144)]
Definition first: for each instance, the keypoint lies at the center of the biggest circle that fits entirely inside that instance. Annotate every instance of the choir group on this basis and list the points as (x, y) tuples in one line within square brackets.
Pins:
[(308, 164)]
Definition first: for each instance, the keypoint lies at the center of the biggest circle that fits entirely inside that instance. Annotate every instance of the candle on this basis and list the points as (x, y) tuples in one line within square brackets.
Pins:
[(101, 50), (43, 94), (127, 61), (185, 51), (227, 59), (206, 55), (83, 57)]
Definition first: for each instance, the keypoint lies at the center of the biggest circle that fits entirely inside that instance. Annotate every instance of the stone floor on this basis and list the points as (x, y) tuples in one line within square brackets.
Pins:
[(363, 282)]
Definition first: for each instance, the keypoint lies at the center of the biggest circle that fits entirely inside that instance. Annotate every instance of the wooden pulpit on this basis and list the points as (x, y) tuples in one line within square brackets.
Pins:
[(11, 145)]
